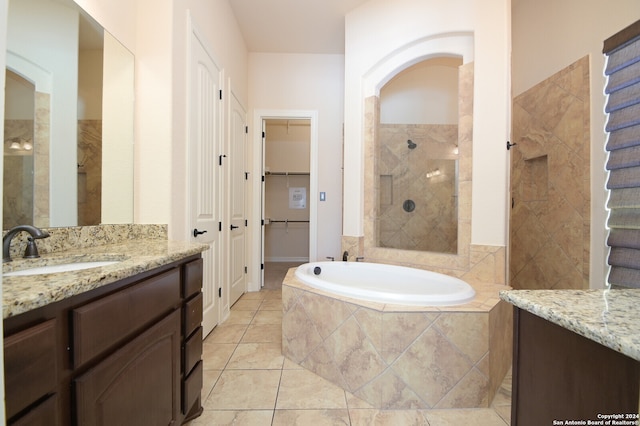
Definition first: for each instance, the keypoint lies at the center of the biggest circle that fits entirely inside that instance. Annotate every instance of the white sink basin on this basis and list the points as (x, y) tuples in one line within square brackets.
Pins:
[(65, 267)]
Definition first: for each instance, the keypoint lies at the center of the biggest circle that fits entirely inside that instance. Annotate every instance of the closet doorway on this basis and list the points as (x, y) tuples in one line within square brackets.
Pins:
[(286, 196)]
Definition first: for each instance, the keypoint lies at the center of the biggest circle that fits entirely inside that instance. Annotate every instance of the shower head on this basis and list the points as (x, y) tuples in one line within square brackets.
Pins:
[(411, 144)]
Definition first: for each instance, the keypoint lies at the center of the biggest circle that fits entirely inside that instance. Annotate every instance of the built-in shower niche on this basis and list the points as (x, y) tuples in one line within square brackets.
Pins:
[(535, 179)]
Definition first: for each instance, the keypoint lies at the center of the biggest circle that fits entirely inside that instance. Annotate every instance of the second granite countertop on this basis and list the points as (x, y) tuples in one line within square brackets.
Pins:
[(608, 317), (24, 293)]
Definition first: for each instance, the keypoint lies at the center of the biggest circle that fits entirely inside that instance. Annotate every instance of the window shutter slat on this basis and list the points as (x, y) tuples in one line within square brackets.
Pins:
[(624, 238), (624, 138), (624, 178), (624, 198), (623, 163)]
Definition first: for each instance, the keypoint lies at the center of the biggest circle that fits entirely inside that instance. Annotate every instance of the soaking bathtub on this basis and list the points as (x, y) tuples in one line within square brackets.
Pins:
[(375, 282)]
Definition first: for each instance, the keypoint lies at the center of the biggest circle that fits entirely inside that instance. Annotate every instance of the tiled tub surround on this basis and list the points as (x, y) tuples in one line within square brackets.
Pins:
[(608, 317), (399, 357), (139, 247)]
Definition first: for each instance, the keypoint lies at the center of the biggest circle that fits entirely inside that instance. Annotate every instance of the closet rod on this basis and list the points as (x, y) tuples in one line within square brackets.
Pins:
[(288, 173)]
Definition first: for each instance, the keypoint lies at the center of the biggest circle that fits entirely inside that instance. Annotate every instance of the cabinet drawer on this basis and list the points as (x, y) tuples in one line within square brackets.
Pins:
[(192, 278), (45, 414), (192, 314), (104, 323), (192, 351), (29, 366), (191, 388)]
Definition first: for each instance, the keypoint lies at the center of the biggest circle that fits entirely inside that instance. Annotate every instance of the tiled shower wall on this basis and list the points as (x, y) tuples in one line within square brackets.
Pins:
[(424, 175), (89, 172), (550, 175), (18, 177), (18, 207)]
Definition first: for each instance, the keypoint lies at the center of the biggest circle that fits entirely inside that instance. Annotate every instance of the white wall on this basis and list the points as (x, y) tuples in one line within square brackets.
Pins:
[(380, 29), (311, 83), (574, 28), (426, 93)]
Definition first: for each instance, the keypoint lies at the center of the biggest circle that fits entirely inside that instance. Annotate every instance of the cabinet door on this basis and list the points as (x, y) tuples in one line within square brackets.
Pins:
[(137, 385)]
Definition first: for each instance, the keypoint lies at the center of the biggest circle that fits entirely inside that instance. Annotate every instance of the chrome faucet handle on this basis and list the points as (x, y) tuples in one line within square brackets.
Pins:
[(331, 258), (359, 258)]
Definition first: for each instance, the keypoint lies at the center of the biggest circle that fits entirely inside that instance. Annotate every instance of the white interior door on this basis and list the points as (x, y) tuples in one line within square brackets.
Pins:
[(237, 200), (204, 172)]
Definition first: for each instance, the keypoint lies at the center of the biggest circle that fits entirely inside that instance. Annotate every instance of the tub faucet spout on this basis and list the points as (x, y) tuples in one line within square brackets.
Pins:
[(32, 251), (345, 256)]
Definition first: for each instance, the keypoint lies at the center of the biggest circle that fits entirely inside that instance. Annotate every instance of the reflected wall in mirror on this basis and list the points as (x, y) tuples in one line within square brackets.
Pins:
[(81, 118), (417, 158)]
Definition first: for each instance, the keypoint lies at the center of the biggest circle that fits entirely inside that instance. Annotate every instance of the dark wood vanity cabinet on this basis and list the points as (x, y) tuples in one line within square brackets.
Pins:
[(559, 375), (128, 353)]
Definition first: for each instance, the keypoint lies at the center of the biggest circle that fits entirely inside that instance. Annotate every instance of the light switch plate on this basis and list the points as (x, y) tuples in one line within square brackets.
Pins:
[(323, 196)]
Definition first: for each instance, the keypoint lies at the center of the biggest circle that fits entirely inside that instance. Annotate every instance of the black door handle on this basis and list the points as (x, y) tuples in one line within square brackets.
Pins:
[(196, 232), (234, 227)]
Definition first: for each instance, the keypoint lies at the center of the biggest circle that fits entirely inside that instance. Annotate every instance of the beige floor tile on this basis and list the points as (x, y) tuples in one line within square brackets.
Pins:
[(373, 417), (260, 295), (268, 317), (240, 317), (504, 411), (310, 417), (216, 355), (209, 379), (263, 333), (232, 417), (502, 397), (227, 333), (253, 356), (271, 305), (476, 417), (301, 389), (290, 365), (247, 304), (272, 294), (244, 390), (353, 402)]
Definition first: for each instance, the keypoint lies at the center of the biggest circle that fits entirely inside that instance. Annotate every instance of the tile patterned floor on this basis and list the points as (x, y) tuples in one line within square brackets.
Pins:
[(248, 382)]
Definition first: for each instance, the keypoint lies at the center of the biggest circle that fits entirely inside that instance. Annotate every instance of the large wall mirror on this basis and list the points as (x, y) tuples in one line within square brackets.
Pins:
[(417, 158), (68, 138)]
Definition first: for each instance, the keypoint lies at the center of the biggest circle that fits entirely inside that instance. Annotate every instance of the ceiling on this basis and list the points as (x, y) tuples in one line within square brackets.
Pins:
[(293, 26)]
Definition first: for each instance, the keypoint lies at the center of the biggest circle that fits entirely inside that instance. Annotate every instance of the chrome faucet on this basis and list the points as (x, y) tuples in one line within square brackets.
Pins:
[(345, 256), (32, 249)]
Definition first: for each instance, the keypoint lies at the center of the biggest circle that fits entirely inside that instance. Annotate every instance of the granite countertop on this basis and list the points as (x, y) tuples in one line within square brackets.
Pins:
[(24, 293), (608, 317)]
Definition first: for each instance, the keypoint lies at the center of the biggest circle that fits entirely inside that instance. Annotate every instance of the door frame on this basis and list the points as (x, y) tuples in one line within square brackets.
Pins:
[(257, 251)]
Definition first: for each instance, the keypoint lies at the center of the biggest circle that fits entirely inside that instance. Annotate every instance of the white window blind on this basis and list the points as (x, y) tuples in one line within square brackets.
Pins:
[(623, 144)]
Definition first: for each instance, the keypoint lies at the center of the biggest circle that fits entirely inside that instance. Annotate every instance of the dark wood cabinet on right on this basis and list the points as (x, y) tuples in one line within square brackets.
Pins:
[(560, 375)]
